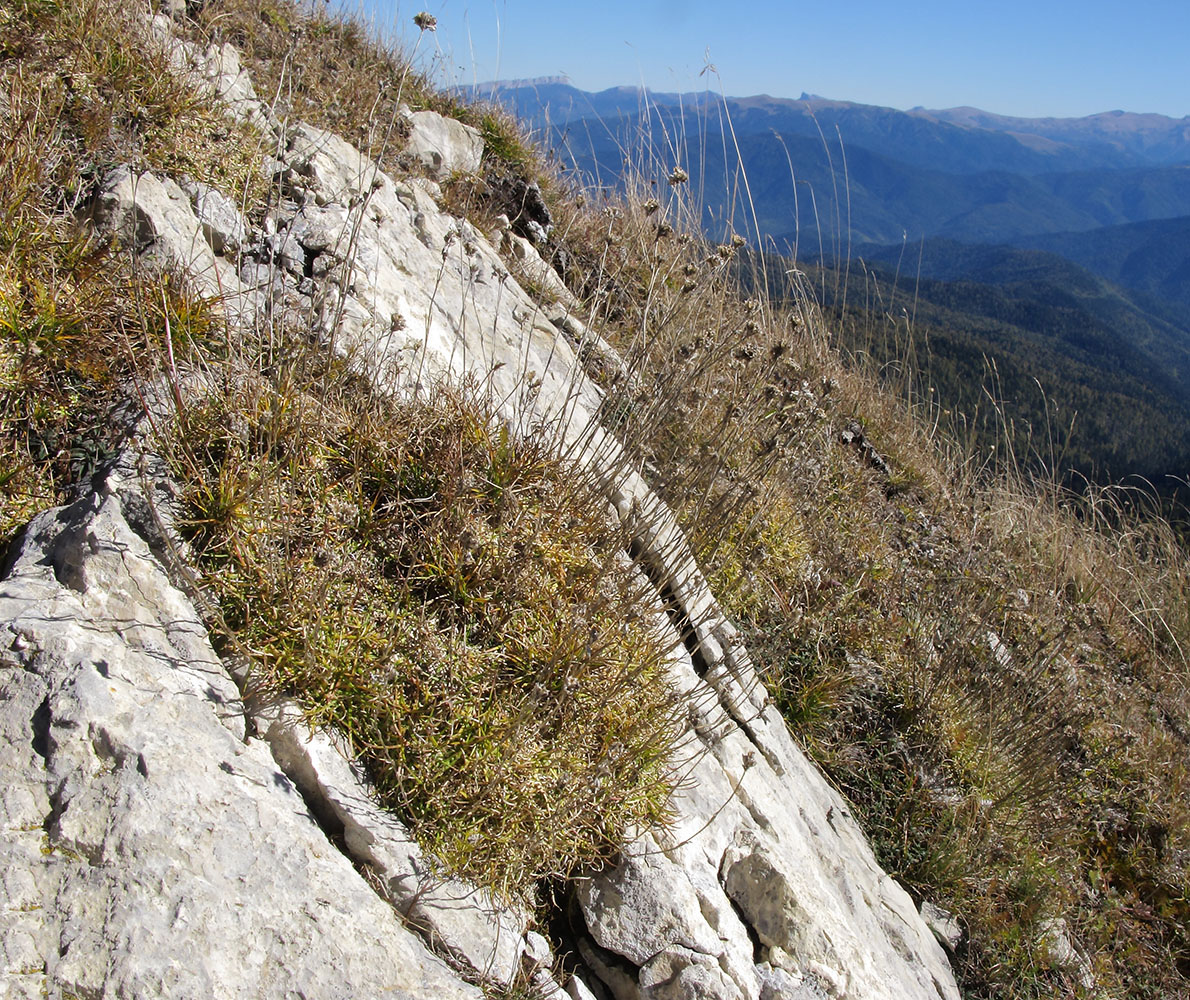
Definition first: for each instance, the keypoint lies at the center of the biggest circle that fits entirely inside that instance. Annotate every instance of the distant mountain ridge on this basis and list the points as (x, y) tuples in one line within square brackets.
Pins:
[(1155, 138), (970, 139), (854, 173)]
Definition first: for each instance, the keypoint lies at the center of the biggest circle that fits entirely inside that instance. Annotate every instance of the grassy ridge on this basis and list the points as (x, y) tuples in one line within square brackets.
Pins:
[(448, 597)]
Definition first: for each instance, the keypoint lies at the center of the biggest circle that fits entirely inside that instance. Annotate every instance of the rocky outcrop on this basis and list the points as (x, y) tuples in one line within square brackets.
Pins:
[(166, 839), (463, 923), (151, 847), (155, 217), (441, 146), (763, 883)]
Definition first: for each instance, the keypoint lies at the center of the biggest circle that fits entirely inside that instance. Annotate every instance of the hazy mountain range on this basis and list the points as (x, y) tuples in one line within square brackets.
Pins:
[(1059, 249), (962, 173)]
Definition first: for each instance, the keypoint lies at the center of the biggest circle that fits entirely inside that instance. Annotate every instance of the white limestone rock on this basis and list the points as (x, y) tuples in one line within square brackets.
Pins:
[(223, 225), (149, 850), (1063, 954), (761, 857), (763, 860), (944, 924), (577, 989), (154, 216), (539, 273), (330, 168), (457, 920), (441, 145)]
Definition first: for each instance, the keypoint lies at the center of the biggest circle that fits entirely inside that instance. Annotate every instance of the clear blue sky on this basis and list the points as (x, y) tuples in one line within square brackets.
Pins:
[(1011, 57)]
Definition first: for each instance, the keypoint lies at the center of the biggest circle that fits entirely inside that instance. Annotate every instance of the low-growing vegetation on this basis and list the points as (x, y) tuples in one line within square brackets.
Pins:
[(81, 90), (992, 670), (450, 598), (478, 634)]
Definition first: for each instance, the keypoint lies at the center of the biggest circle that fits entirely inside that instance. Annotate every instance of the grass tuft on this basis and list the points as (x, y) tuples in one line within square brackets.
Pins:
[(449, 597)]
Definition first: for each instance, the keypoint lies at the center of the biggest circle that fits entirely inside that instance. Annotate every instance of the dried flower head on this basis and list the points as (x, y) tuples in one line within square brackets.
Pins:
[(651, 206), (678, 176), (664, 229), (737, 240), (426, 21)]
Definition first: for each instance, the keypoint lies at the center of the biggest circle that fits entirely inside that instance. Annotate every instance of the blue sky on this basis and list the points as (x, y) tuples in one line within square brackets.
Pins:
[(1011, 57)]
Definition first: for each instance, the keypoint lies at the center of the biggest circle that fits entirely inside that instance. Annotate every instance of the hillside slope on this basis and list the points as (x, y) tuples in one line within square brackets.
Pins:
[(1148, 257), (1116, 363), (750, 878), (423, 577)]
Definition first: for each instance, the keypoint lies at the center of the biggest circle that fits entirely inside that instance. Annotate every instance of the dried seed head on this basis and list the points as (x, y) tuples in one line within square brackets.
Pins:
[(664, 229), (426, 21), (678, 176), (651, 206), (737, 240)]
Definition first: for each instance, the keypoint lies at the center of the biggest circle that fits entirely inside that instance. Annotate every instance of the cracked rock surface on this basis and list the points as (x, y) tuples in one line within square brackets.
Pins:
[(148, 848)]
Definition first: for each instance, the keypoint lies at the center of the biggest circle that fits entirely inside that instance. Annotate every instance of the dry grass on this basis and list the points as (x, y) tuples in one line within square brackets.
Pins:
[(992, 670), (450, 598)]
